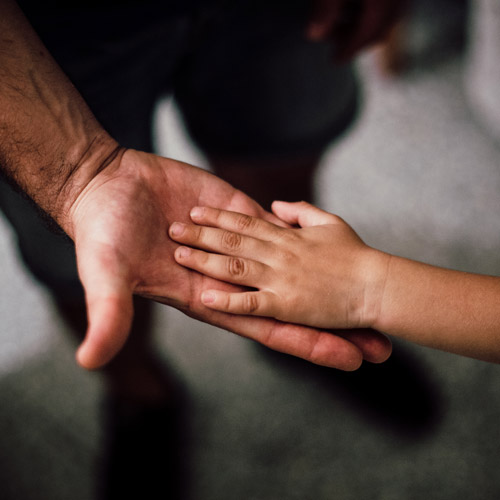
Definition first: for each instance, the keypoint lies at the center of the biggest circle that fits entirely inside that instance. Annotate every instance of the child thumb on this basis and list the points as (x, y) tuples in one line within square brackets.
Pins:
[(302, 213)]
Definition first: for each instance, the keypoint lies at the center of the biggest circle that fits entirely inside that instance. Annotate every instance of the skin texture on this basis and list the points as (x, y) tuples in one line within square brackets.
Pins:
[(322, 274), (117, 205), (121, 222), (293, 269)]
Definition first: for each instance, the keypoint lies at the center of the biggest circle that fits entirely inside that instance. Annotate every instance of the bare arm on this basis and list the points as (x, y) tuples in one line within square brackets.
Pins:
[(441, 308), (50, 142), (117, 205), (323, 275)]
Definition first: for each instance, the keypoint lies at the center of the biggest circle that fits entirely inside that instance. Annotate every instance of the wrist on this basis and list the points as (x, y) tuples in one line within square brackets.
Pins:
[(87, 161), (373, 272), (51, 144)]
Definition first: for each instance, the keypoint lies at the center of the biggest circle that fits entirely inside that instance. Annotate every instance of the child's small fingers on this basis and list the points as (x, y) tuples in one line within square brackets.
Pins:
[(303, 214), (231, 269), (235, 222), (246, 303), (217, 240)]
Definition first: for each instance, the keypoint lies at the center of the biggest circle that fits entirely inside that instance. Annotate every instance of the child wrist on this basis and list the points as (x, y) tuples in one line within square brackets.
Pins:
[(375, 270)]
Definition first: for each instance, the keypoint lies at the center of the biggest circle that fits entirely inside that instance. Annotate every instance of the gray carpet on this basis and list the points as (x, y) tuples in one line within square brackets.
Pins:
[(417, 177)]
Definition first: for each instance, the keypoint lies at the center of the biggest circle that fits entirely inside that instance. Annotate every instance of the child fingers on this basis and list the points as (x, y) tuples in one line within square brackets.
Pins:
[(235, 222), (303, 214), (225, 268), (217, 240), (247, 303)]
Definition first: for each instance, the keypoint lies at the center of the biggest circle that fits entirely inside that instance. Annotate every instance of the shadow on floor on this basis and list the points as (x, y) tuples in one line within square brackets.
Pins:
[(398, 396)]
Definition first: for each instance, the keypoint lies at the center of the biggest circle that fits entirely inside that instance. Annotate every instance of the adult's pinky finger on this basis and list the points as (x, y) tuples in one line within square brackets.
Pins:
[(247, 303)]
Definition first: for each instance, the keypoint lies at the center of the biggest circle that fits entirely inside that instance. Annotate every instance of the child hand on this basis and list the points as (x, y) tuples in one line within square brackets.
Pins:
[(320, 274)]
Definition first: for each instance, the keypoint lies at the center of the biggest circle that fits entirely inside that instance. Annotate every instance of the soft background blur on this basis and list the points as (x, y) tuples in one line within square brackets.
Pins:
[(419, 176)]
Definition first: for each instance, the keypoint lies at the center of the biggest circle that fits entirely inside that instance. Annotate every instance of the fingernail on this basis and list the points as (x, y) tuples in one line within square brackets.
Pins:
[(208, 297), (197, 212), (176, 229), (183, 252)]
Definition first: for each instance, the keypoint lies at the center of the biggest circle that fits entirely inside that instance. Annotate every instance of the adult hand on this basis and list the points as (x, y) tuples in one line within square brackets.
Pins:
[(352, 24), (117, 207), (120, 223)]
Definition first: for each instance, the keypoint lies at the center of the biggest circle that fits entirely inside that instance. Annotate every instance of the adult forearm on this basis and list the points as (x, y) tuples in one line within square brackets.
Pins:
[(50, 142), (444, 309)]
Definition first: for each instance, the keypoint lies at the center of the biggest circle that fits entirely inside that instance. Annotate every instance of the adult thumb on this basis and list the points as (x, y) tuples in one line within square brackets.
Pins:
[(110, 309)]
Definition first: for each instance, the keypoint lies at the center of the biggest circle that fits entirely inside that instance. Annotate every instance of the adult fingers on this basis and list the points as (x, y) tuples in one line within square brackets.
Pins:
[(321, 347), (317, 346), (109, 306), (376, 346), (303, 214)]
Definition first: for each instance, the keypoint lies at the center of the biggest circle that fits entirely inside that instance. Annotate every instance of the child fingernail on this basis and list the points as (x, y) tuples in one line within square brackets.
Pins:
[(176, 229), (183, 252), (208, 297), (196, 212)]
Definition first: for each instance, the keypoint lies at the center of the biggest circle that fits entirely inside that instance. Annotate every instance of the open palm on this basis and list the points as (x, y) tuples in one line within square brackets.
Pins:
[(121, 222)]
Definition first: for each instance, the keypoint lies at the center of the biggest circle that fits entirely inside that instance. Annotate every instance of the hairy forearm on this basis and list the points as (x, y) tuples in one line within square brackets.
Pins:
[(444, 309), (50, 142)]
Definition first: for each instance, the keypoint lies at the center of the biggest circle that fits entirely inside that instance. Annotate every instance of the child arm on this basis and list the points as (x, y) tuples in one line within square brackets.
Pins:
[(322, 274)]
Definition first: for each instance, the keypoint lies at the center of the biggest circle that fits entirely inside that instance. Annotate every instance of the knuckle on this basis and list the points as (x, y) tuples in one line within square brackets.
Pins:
[(291, 238), (231, 241), (250, 303), (244, 222), (197, 233), (314, 354), (285, 238), (285, 256), (236, 267), (228, 303), (215, 215), (202, 258)]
